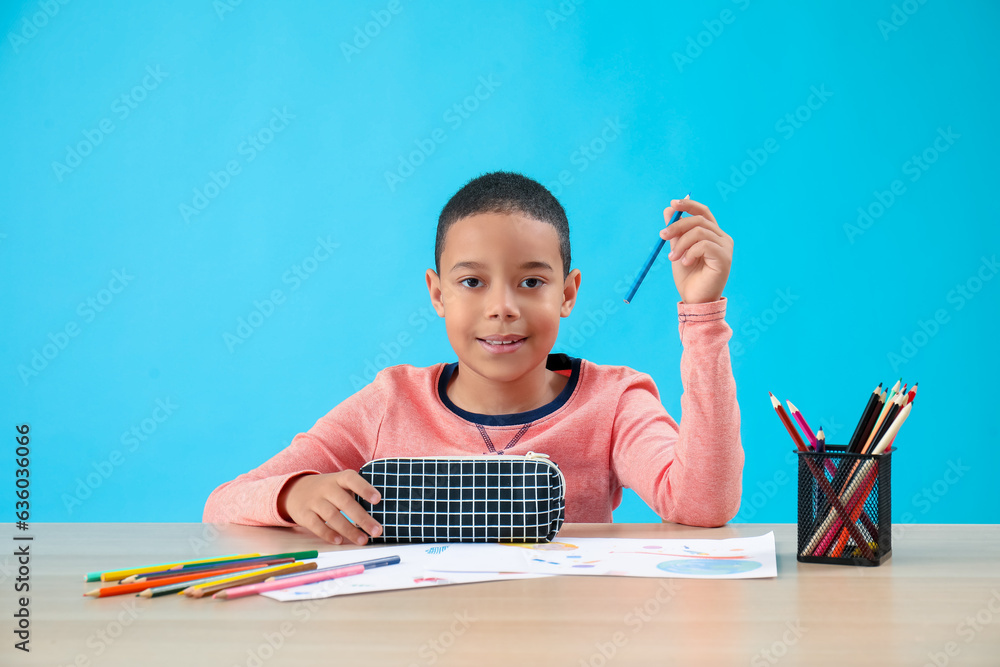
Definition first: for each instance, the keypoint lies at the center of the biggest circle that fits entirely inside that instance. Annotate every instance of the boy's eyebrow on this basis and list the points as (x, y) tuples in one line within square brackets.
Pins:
[(527, 266)]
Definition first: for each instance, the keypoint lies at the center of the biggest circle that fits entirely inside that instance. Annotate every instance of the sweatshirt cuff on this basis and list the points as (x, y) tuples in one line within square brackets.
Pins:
[(701, 312)]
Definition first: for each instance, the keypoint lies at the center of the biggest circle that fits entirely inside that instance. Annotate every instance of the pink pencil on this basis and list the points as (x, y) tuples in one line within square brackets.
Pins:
[(264, 586), (805, 427), (291, 581)]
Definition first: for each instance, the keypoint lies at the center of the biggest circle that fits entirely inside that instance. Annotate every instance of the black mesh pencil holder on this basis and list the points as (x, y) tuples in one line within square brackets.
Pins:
[(844, 507), (467, 499)]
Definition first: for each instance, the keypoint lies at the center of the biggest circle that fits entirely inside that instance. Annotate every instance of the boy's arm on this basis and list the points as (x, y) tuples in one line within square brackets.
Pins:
[(691, 474), (343, 439)]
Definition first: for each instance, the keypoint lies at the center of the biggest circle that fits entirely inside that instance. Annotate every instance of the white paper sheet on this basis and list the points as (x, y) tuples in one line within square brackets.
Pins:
[(441, 564), (415, 570)]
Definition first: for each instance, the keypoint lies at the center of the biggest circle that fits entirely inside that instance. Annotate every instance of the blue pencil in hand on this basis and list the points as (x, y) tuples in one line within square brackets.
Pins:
[(651, 258)]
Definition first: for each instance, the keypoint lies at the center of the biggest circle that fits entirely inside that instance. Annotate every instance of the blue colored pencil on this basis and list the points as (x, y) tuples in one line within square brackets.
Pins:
[(651, 258)]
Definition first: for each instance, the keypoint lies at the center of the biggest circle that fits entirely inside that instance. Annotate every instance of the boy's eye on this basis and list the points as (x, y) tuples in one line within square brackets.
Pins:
[(537, 281), (465, 280), (475, 282)]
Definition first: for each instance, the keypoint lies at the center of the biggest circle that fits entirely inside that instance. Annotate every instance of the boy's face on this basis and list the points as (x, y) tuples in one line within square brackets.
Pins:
[(502, 276)]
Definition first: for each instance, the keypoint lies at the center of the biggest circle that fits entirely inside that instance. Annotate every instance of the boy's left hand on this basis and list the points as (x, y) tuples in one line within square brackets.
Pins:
[(700, 252)]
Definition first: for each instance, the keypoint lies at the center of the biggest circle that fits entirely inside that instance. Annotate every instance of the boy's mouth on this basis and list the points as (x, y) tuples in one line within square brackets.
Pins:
[(502, 344)]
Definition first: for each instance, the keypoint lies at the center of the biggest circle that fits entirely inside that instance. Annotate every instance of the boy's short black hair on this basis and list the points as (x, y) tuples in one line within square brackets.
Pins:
[(504, 192)]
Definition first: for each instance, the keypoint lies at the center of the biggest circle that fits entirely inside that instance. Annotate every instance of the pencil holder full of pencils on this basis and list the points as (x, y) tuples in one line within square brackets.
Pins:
[(844, 507)]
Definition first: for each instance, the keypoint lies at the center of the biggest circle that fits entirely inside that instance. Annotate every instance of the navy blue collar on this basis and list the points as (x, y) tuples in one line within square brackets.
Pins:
[(555, 362)]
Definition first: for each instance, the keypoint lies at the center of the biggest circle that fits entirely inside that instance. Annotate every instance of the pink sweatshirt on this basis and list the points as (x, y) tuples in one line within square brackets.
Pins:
[(606, 430)]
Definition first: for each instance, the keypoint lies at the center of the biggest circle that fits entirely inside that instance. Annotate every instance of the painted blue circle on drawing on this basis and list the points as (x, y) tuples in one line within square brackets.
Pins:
[(708, 566)]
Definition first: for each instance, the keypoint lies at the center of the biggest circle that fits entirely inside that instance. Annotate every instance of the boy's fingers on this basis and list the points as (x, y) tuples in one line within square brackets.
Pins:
[(684, 224), (692, 207), (319, 528), (339, 523), (356, 483), (356, 513), (709, 251), (679, 246)]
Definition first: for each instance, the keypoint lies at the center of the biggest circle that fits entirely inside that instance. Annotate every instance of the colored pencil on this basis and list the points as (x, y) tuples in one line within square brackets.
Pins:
[(652, 258), (872, 476), (831, 524), (301, 580), (207, 570), (260, 560), (865, 415), (797, 415), (897, 405), (115, 575), (122, 589), (872, 419), (213, 587), (178, 588), (886, 410), (820, 476)]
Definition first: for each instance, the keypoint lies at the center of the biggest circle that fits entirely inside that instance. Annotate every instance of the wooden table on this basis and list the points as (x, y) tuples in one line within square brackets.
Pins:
[(935, 602)]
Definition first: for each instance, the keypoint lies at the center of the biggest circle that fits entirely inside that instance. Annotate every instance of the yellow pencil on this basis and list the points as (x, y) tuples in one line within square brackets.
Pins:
[(115, 575), (245, 575)]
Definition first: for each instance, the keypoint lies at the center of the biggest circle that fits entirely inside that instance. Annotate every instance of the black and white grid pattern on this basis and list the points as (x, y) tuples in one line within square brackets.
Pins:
[(501, 499)]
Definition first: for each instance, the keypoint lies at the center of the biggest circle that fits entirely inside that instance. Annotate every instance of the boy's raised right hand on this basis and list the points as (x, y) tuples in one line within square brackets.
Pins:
[(316, 502)]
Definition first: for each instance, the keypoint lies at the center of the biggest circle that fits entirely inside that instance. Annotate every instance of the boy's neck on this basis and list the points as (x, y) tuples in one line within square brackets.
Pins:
[(474, 393)]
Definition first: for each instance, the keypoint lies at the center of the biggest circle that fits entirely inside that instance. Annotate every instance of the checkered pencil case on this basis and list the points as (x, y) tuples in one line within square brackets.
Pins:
[(467, 498)]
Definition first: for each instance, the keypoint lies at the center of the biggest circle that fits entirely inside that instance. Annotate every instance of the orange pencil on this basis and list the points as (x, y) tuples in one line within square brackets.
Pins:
[(152, 577), (122, 589)]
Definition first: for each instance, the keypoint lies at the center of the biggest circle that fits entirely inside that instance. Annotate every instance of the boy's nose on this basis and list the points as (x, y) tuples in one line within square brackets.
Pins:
[(502, 304)]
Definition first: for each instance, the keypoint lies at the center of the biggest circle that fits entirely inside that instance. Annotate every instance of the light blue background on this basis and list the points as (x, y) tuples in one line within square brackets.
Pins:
[(817, 310)]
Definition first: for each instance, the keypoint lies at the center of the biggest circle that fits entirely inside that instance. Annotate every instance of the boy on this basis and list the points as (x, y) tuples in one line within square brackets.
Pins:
[(502, 283)]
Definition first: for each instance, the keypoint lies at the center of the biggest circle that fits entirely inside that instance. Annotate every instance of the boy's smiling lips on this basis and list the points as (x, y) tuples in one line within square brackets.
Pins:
[(504, 338), (502, 344)]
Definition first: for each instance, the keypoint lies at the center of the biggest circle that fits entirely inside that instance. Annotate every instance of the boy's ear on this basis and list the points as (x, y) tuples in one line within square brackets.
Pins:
[(570, 289), (434, 288)]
